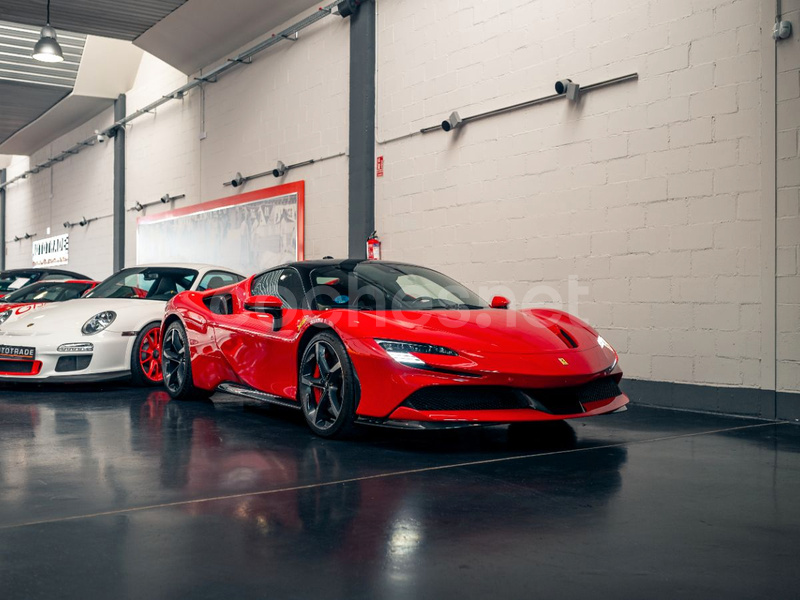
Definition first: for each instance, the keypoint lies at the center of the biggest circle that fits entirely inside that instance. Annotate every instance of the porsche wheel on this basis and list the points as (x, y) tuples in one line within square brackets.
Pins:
[(146, 356), (326, 388), (177, 365)]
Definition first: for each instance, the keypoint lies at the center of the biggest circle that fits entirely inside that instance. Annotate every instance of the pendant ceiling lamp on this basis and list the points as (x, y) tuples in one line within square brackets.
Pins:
[(47, 49)]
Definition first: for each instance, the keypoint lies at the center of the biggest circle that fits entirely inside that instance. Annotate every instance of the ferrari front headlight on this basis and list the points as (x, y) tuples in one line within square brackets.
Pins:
[(603, 343), (606, 346), (4, 316), (403, 352), (98, 322)]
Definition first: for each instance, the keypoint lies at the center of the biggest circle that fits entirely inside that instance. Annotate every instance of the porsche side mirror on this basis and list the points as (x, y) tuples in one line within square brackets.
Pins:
[(270, 305), (500, 302)]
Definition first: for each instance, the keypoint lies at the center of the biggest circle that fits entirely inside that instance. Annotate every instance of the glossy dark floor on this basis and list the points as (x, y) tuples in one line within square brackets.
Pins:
[(117, 493)]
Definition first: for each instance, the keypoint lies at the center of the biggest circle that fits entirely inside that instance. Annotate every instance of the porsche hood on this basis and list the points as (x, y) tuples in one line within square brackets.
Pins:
[(70, 316)]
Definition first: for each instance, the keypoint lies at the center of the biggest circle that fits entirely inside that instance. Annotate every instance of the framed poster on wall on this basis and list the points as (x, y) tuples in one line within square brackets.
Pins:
[(249, 232)]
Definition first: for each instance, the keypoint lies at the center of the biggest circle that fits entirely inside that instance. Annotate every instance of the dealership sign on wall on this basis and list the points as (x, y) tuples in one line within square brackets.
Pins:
[(51, 251)]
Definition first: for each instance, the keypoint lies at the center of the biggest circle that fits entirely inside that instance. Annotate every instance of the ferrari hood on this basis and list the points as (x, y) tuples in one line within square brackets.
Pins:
[(69, 317), (480, 331)]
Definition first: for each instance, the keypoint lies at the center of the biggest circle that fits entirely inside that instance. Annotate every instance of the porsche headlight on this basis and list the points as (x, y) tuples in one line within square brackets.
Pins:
[(403, 352), (98, 322), (4, 316)]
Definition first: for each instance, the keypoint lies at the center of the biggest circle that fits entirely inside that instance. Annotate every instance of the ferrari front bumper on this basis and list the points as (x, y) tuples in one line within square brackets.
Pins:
[(486, 388)]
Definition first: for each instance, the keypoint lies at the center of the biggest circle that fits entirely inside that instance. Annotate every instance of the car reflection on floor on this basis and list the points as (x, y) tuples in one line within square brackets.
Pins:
[(310, 493)]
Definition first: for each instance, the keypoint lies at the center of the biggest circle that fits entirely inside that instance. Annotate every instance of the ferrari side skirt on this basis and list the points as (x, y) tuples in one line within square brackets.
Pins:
[(254, 394)]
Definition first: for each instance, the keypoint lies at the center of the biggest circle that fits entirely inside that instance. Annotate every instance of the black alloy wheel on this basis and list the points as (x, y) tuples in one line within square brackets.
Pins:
[(177, 365), (327, 388)]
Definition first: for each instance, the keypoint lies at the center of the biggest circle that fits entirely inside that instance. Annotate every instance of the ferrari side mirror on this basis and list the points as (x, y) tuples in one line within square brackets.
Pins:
[(270, 305), (500, 302)]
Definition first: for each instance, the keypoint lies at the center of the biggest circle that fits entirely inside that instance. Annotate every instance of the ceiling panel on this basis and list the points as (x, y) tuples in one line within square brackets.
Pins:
[(21, 103), (124, 20), (203, 31)]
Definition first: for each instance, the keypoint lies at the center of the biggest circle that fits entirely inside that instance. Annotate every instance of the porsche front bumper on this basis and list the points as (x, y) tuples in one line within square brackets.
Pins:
[(108, 359)]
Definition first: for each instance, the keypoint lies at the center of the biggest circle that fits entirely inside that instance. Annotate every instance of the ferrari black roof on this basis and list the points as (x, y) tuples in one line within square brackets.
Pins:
[(346, 264)]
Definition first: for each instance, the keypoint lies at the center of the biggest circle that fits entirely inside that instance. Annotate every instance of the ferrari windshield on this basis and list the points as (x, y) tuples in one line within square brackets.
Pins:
[(50, 291), (145, 283), (384, 286)]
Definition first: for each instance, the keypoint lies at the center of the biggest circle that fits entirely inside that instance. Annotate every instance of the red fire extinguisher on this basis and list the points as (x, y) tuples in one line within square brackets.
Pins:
[(373, 246)]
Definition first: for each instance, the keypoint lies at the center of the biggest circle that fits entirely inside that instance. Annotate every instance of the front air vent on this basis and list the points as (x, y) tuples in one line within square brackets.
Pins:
[(16, 366), (568, 340), (73, 363)]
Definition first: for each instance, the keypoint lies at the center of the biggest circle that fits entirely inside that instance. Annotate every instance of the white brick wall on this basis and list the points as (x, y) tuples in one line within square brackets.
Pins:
[(788, 208), (648, 193)]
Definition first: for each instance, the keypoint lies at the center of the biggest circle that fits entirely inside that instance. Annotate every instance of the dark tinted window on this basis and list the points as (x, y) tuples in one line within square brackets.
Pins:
[(13, 281), (376, 286), (266, 284), (148, 283), (283, 283), (290, 288), (47, 292), (217, 279)]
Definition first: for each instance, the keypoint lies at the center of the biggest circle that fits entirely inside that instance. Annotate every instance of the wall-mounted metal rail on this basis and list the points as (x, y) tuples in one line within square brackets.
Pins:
[(513, 107), (280, 170), (243, 58), (84, 221), (163, 200), (25, 236)]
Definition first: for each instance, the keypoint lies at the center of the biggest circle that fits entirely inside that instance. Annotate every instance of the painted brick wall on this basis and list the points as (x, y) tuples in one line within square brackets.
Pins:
[(788, 183), (162, 149), (639, 208), (78, 187), (290, 104)]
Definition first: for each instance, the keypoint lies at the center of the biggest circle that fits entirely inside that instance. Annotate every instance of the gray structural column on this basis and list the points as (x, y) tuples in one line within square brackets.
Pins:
[(119, 186), (361, 194), (2, 220)]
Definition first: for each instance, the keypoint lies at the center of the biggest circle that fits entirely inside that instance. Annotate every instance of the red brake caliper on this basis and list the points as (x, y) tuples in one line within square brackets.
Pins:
[(150, 355), (316, 391)]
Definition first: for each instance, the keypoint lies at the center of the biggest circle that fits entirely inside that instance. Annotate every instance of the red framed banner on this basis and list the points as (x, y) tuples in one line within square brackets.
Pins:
[(249, 232)]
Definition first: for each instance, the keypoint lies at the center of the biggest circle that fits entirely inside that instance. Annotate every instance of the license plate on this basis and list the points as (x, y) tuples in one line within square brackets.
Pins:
[(19, 352)]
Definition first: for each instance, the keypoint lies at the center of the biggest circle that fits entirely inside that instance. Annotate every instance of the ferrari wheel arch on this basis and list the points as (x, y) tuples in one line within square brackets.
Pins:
[(169, 321), (309, 334)]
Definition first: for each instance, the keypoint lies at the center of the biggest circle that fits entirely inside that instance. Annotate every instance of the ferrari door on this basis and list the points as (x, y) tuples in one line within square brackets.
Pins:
[(261, 344)]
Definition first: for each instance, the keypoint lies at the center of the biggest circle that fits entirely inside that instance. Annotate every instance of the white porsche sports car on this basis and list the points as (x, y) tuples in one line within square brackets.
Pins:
[(111, 333)]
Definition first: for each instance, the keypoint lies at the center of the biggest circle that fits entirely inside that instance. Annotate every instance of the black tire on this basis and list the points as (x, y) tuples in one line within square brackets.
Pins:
[(146, 356), (177, 365), (326, 387)]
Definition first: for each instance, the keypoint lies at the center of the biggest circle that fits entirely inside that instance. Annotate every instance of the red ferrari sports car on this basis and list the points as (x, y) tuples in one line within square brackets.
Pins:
[(385, 343)]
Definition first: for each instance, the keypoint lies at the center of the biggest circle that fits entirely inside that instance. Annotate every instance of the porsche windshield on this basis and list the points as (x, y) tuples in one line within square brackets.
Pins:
[(382, 286), (145, 283)]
